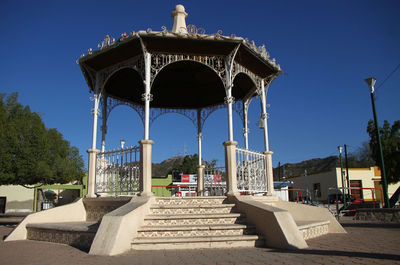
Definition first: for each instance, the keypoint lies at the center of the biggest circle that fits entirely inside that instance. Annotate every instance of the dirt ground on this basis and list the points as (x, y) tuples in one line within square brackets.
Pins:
[(365, 243)]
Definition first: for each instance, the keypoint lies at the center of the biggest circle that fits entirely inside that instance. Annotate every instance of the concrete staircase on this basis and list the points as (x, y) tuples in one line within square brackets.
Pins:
[(194, 222), (309, 229), (172, 223), (313, 229), (76, 234)]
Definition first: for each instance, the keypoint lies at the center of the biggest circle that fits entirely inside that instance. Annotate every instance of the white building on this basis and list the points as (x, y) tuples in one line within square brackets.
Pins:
[(364, 184)]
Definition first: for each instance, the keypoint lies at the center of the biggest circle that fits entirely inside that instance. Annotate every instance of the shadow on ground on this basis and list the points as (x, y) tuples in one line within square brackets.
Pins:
[(351, 254)]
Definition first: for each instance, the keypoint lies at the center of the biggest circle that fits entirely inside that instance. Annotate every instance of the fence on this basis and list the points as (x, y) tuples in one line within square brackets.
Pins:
[(251, 171), (118, 171), (214, 181)]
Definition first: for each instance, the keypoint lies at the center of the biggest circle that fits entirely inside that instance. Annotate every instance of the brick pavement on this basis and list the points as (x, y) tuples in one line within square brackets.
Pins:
[(365, 243)]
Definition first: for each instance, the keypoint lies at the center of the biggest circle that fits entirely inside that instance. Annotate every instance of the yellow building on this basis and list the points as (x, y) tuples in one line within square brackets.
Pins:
[(364, 184)]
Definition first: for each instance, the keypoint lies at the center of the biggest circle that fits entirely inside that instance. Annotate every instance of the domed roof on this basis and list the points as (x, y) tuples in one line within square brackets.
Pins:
[(188, 66)]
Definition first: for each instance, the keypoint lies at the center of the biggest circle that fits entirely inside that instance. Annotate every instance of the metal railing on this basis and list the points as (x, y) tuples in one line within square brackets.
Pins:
[(251, 171), (214, 181), (118, 171)]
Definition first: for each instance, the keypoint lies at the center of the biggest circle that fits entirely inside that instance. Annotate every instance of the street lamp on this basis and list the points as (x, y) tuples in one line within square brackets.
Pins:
[(371, 84), (122, 144), (340, 148)]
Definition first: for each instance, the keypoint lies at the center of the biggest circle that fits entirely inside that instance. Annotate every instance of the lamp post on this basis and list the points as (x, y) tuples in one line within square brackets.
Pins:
[(341, 173), (371, 84), (306, 184)]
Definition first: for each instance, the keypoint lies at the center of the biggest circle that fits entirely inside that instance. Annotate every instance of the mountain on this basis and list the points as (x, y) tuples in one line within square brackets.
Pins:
[(312, 166), (160, 170), (319, 165)]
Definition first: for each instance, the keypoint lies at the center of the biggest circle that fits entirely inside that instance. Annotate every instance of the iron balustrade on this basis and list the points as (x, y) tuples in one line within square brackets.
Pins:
[(214, 181), (251, 171), (118, 171)]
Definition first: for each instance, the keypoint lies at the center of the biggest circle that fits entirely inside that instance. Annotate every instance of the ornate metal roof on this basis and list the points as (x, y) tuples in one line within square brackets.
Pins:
[(188, 67)]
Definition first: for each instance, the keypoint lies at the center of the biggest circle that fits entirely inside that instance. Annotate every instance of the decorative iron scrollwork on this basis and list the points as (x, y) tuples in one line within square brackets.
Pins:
[(251, 171), (192, 29), (147, 97), (118, 171), (108, 41), (229, 100)]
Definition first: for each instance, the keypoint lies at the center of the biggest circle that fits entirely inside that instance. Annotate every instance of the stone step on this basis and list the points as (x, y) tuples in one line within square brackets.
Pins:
[(191, 209), (206, 200), (193, 219), (197, 242), (313, 229), (96, 208), (76, 234), (195, 231)]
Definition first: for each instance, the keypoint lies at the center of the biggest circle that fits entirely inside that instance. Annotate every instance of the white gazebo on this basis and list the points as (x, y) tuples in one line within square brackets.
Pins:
[(184, 71), (188, 72)]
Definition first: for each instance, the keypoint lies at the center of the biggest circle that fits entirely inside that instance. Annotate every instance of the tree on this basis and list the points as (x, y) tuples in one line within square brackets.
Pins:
[(390, 139), (30, 153)]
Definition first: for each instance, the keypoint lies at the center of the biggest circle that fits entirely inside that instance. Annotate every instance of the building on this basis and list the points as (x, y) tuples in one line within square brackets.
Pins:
[(20, 199), (322, 186)]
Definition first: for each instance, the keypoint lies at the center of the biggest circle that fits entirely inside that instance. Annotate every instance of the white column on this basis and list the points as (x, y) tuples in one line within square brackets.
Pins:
[(93, 151), (104, 126), (145, 169), (95, 111), (147, 95), (229, 99), (199, 138), (264, 116), (200, 180), (230, 166), (268, 154), (270, 175), (199, 135), (245, 127)]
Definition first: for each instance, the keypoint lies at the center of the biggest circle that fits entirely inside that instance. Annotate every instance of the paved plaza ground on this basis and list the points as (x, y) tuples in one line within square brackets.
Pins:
[(364, 243)]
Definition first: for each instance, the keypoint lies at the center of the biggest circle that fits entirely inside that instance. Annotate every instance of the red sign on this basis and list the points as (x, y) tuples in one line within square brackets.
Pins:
[(185, 178), (217, 178)]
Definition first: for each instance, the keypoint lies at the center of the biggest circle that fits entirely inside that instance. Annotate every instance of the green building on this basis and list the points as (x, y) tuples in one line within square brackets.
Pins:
[(159, 186)]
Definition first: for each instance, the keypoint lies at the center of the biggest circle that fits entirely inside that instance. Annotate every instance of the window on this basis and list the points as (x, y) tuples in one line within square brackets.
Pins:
[(317, 190)]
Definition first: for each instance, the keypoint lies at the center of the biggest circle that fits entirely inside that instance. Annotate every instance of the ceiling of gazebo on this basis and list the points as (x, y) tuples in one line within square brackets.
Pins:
[(182, 84)]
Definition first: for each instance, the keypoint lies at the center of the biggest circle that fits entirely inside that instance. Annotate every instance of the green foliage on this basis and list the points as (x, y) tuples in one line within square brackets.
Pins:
[(390, 139), (187, 165), (30, 153)]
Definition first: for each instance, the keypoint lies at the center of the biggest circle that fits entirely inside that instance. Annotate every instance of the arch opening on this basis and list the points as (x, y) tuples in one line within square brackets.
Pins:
[(125, 84), (187, 85)]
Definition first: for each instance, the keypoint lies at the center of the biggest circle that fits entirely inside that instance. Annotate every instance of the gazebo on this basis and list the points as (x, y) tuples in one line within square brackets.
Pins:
[(182, 71), (188, 72)]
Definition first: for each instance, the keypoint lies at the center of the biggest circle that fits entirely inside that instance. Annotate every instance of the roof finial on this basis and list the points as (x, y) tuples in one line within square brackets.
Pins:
[(179, 16)]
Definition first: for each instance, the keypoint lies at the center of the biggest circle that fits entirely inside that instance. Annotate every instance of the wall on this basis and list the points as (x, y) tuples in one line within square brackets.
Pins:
[(162, 191), (332, 179), (326, 180), (19, 199)]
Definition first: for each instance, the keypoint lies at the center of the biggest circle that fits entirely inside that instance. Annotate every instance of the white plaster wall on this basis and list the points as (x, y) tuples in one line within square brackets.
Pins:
[(18, 198)]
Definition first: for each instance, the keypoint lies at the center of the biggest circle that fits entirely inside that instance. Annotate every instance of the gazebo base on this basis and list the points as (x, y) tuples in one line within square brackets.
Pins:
[(178, 222)]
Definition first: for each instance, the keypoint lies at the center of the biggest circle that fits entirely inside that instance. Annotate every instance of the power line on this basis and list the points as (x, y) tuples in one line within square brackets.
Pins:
[(397, 67)]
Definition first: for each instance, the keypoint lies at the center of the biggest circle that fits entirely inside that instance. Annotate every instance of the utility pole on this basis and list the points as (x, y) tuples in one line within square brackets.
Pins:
[(306, 183), (347, 170), (371, 83), (279, 171), (341, 174)]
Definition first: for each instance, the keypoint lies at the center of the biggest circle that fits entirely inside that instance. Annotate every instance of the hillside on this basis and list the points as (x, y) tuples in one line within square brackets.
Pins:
[(312, 166), (163, 168), (318, 165)]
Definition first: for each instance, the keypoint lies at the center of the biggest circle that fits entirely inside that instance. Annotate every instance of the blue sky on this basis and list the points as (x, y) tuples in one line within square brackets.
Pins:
[(325, 48)]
